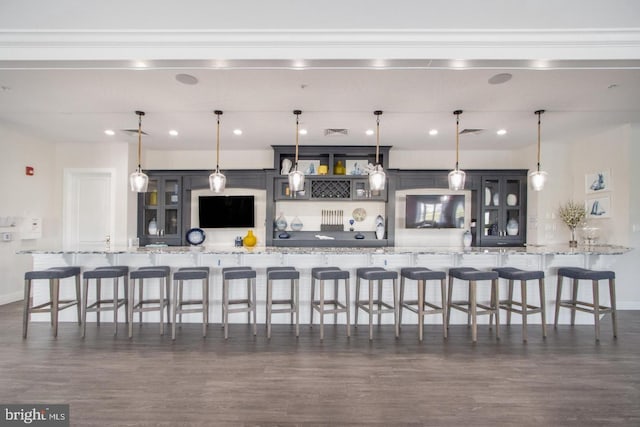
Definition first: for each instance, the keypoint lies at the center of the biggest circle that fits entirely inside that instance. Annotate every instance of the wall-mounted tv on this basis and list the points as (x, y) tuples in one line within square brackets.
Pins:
[(226, 211), (435, 211)]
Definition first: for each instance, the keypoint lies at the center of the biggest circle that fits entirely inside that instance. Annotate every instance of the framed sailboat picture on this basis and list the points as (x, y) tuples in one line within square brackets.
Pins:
[(598, 207)]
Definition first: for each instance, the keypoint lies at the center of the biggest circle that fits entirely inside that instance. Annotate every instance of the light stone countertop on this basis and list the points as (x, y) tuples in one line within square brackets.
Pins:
[(528, 250)]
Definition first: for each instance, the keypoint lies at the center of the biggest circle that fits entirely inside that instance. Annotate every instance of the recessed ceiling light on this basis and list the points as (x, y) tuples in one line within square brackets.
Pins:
[(302, 132), (501, 132), (173, 132), (237, 131), (109, 132), (500, 78), (187, 79), (433, 132), (369, 132)]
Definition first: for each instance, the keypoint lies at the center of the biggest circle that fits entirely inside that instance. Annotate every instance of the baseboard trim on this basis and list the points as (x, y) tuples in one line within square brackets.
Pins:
[(12, 297)]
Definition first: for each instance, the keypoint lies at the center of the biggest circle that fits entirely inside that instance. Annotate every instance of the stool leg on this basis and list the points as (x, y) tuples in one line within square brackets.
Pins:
[(321, 310), (84, 305), (269, 302), (225, 308), (468, 312), (472, 311), (574, 298), (379, 302), (162, 288), (558, 296), (395, 307), (140, 296), (174, 309), (249, 299), (450, 292), (357, 301), (348, 305), (523, 292), (335, 298), (126, 299), (132, 290), (253, 306), (313, 295), (401, 301), (205, 306), (445, 311), (543, 308), (296, 290), (510, 302), (98, 300), (27, 307), (596, 307), (370, 310), (54, 305), (292, 302), (78, 298), (421, 289), (206, 300), (496, 298), (614, 315), (115, 306)]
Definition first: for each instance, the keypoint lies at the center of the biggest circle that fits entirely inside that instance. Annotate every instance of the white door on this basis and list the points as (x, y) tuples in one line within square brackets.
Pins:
[(88, 208)]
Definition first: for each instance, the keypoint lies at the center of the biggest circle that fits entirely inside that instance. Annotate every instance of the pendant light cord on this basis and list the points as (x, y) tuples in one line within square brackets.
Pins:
[(218, 142), (539, 113), (378, 113), (457, 113), (140, 114), (297, 113)]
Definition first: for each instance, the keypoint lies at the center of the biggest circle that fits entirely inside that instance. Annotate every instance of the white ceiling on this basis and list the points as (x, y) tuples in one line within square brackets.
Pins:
[(77, 105)]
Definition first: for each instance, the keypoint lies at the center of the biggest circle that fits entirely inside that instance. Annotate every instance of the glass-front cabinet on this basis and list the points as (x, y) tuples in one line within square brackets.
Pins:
[(503, 211), (160, 220)]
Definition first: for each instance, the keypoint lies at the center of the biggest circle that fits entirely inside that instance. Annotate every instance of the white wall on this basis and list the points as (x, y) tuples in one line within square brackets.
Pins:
[(24, 197), (194, 159)]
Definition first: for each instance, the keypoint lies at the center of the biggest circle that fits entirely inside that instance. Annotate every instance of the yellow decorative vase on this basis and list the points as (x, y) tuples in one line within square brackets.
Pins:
[(249, 240), (339, 168)]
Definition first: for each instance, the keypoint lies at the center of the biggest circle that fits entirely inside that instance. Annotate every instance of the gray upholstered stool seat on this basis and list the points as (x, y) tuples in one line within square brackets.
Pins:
[(145, 305), (471, 305), (334, 274), (115, 273), (377, 306), (55, 304), (522, 307), (421, 306), (239, 273), (594, 307), (293, 276), (179, 303)]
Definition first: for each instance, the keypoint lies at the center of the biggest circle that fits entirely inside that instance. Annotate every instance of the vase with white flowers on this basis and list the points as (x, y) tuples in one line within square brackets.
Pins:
[(572, 214)]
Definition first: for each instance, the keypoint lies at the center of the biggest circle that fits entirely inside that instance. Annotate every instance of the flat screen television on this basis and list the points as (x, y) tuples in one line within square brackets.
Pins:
[(435, 211), (226, 211)]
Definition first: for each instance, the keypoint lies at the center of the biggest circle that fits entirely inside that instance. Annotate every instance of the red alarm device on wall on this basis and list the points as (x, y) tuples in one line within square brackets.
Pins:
[(29, 171)]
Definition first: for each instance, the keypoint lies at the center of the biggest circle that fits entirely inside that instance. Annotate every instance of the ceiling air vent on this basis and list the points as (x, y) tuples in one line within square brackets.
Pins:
[(471, 131), (336, 132)]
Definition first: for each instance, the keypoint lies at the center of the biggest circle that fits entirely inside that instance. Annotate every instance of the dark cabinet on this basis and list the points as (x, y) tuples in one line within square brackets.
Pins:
[(160, 211), (502, 211), (328, 188)]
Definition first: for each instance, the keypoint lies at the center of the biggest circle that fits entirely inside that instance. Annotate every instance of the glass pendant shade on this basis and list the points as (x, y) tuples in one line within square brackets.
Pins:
[(537, 179), (456, 179), (296, 180), (217, 182), (139, 181), (377, 179)]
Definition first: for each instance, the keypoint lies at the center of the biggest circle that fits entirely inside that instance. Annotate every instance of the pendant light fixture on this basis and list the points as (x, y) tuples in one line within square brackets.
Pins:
[(456, 176), (296, 177), (538, 177), (377, 177), (138, 180), (217, 181)]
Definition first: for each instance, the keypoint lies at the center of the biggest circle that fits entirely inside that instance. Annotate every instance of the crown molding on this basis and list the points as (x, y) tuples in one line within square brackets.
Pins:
[(90, 45)]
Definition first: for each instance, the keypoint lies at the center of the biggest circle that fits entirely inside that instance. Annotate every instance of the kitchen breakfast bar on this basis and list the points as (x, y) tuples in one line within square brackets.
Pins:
[(547, 259)]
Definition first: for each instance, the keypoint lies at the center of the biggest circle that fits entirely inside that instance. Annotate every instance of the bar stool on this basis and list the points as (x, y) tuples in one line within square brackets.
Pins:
[(379, 275), (54, 305), (238, 273), (179, 277), (525, 309), (283, 273), (595, 307), (152, 272), (335, 274), (420, 306), (470, 306), (113, 304)]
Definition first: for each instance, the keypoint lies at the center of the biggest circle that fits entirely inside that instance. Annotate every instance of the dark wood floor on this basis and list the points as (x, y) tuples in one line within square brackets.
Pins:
[(567, 379)]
